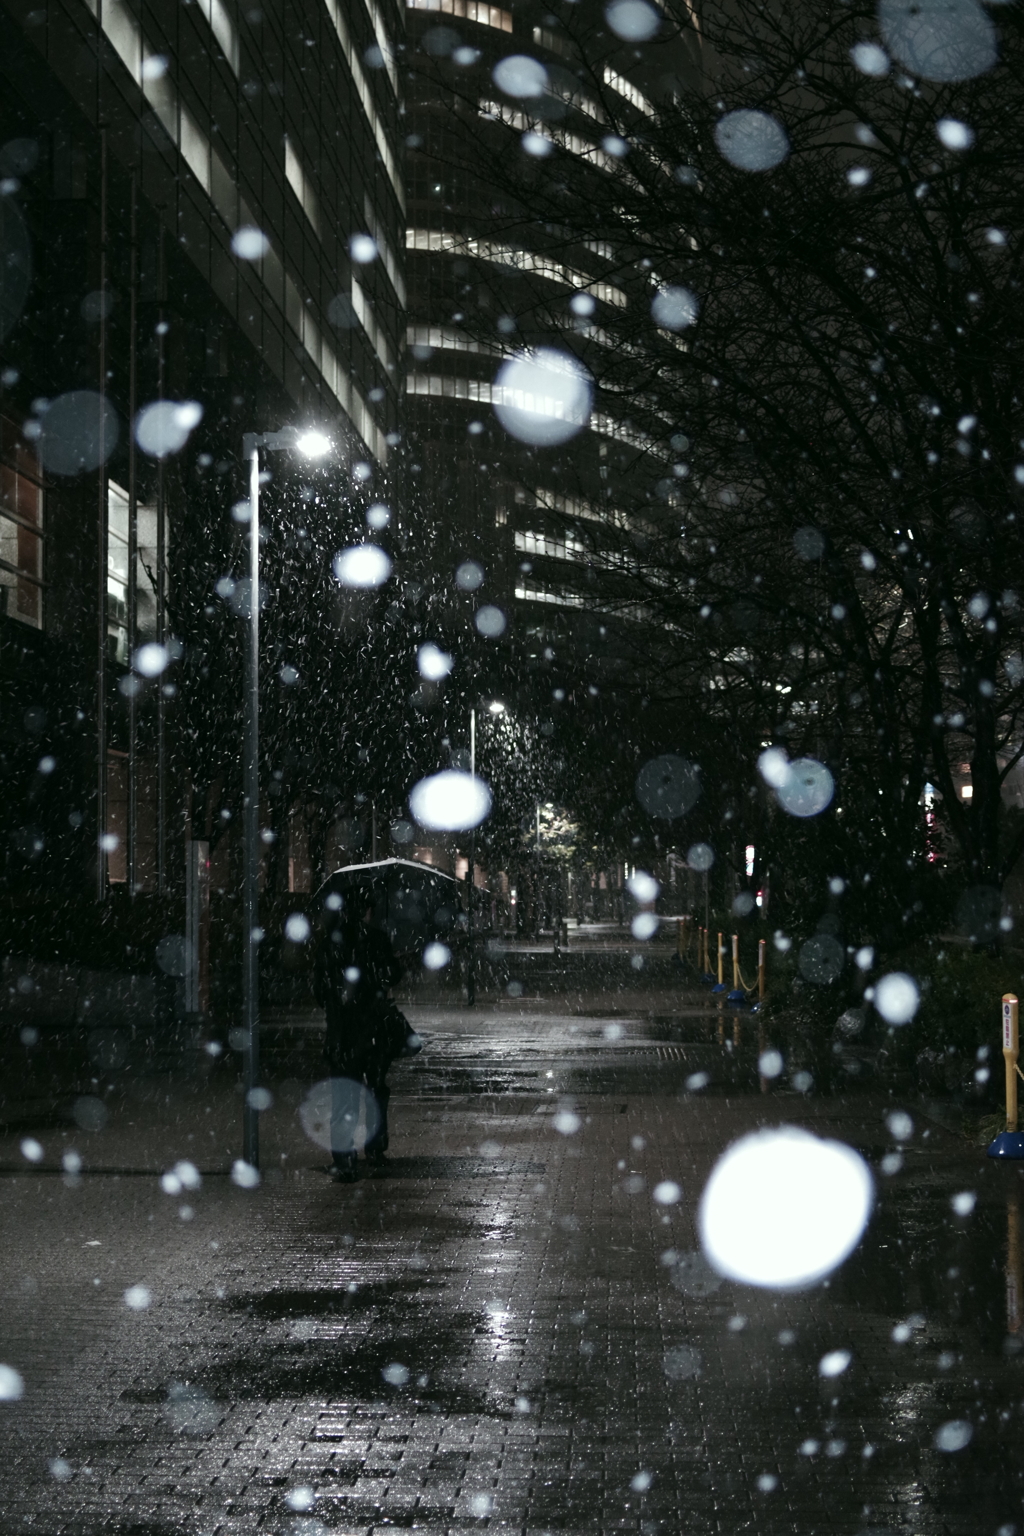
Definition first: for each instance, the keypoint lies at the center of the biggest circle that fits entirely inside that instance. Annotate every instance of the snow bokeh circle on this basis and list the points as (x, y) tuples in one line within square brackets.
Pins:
[(783, 1208)]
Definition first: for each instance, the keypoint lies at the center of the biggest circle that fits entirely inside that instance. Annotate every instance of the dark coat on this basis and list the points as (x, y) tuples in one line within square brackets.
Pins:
[(355, 968)]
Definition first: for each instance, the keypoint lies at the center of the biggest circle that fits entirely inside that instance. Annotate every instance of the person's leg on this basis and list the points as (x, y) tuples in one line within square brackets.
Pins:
[(344, 1113), (377, 1144)]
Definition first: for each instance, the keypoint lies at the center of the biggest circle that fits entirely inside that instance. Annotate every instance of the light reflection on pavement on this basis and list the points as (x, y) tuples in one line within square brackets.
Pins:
[(570, 1362)]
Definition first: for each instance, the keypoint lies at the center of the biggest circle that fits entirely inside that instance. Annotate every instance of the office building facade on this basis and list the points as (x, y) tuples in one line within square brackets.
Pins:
[(201, 204)]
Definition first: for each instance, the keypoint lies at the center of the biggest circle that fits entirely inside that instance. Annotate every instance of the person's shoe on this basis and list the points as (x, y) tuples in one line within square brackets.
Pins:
[(345, 1173), (378, 1162)]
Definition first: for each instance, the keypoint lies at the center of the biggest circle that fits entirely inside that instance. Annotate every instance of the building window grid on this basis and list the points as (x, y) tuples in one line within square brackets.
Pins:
[(301, 184), (573, 143), (529, 542), (149, 71), (468, 10), (440, 338), (513, 257), (119, 643), (21, 529), (448, 387)]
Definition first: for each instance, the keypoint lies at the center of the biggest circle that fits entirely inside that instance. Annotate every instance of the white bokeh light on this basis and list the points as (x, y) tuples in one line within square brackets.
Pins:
[(807, 789), (362, 565), (773, 766), (870, 59), (362, 249), (633, 20), (783, 1208), (751, 140), (519, 75), (250, 243), (163, 428), (151, 659), (542, 397), (897, 997), (297, 928), (490, 621), (12, 1386), (432, 663), (450, 801), (469, 576), (940, 40), (674, 308), (642, 886), (953, 134)]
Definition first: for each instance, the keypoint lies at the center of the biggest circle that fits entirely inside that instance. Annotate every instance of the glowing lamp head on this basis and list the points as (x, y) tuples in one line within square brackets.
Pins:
[(313, 445), (496, 707)]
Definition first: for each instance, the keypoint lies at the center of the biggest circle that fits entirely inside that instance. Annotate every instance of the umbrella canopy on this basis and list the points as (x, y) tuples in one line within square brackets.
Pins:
[(413, 902)]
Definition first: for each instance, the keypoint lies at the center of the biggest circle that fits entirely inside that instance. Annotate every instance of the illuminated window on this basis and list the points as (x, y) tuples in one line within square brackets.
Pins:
[(21, 529), (563, 547), (365, 95), (469, 10), (368, 320), (529, 593), (515, 258), (223, 29), (301, 184), (149, 70), (574, 143), (147, 560), (627, 89)]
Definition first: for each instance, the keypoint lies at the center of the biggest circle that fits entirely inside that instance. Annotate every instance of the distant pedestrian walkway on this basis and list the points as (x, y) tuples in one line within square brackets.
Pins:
[(513, 1332)]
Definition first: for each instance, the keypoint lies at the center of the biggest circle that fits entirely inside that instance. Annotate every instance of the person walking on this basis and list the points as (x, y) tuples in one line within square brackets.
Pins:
[(355, 968)]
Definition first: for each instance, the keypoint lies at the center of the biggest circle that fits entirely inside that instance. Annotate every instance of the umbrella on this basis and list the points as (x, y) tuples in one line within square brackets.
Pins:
[(413, 902)]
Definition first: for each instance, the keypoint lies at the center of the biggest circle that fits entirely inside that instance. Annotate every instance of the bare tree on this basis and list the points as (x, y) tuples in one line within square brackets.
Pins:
[(814, 364)]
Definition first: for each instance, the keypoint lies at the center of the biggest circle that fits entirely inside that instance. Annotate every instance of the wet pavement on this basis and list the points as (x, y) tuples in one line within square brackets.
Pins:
[(507, 1333)]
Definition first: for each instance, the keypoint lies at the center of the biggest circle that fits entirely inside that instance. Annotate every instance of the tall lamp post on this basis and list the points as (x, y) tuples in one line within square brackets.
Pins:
[(312, 445), (471, 968), (495, 708)]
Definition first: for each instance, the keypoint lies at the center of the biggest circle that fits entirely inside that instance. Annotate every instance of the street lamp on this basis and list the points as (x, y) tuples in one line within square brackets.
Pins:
[(495, 708), (470, 968), (312, 445)]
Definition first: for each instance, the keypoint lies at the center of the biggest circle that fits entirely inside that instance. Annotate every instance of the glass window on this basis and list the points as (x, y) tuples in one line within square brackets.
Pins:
[(21, 528), (118, 644), (117, 574)]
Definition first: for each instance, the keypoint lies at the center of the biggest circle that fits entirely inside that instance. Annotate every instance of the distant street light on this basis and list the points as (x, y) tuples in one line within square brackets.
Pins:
[(312, 445), (495, 707)]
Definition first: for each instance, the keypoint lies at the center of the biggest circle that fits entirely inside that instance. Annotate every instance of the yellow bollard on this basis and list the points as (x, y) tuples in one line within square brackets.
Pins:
[(721, 961), (736, 962), (1009, 1143), (1011, 1050), (761, 950)]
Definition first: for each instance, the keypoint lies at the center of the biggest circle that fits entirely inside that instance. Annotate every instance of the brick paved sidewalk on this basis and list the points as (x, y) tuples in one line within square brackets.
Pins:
[(493, 1338)]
